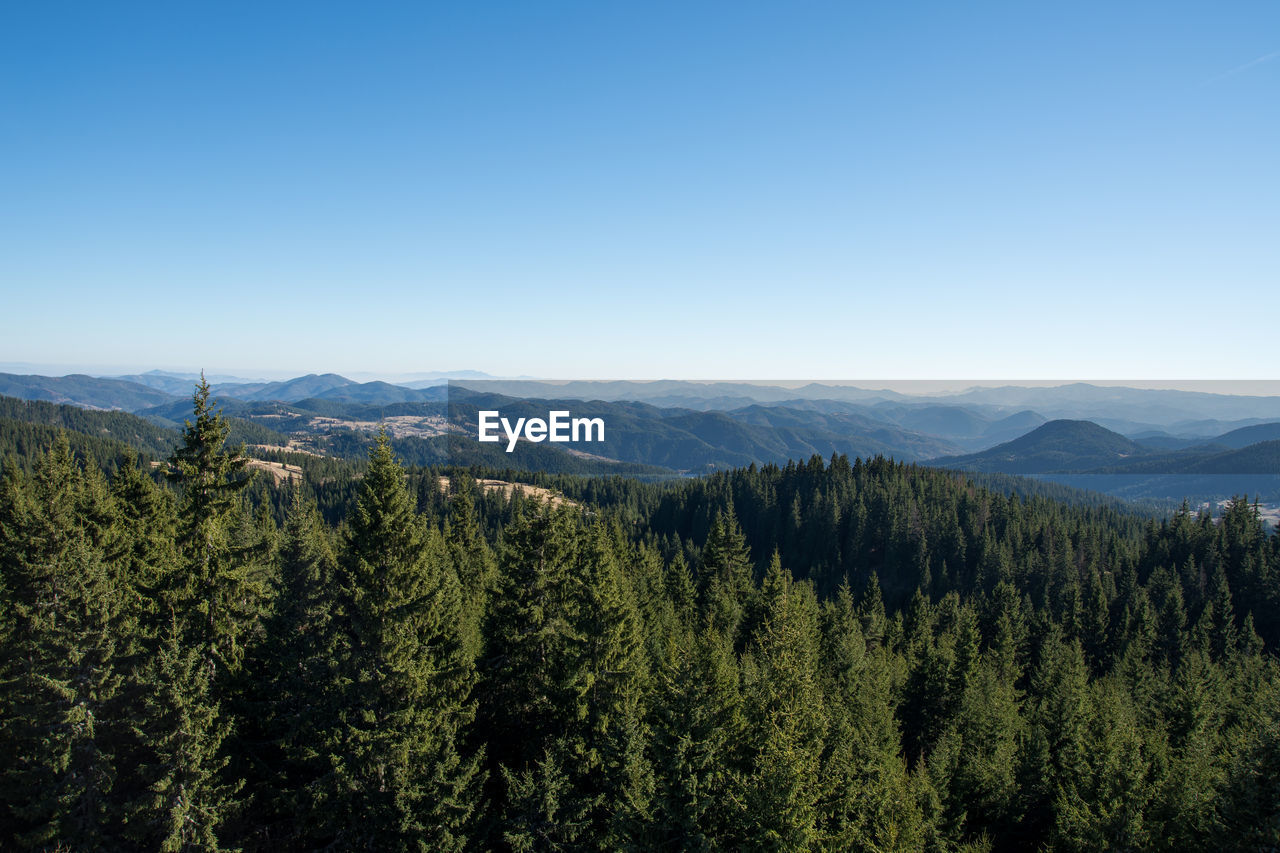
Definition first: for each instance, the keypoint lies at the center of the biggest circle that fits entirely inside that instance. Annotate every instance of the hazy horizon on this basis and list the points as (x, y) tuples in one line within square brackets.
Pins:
[(921, 387)]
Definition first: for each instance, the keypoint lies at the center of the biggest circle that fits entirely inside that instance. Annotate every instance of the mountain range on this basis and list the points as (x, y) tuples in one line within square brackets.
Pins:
[(1084, 447), (1084, 455), (682, 427)]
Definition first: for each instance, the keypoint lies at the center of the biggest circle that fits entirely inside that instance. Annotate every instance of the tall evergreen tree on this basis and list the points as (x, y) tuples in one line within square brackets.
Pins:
[(189, 799), (145, 556), (61, 669), (209, 603), (867, 802), (728, 586), (787, 719), (699, 731), (611, 763), (533, 655), (472, 558), (399, 778), (213, 594), (299, 663)]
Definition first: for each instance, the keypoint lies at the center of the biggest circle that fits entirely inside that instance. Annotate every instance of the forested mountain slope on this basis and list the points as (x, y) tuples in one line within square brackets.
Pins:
[(834, 655), (1062, 445)]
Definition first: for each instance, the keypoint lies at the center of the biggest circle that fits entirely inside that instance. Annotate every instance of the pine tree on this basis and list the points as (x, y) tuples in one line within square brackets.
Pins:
[(1248, 809), (1192, 708), (472, 559), (145, 555), (681, 589), (400, 781), (61, 669), (610, 747), (728, 588), (299, 665), (786, 717), (1223, 637), (866, 797), (208, 604), (533, 653), (699, 730), (188, 800), (1059, 709), (1170, 631), (1101, 800), (213, 594), (872, 613), (544, 811), (985, 731)]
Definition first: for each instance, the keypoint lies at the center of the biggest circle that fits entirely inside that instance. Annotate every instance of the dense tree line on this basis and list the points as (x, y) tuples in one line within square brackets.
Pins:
[(824, 655), (22, 443), (148, 438)]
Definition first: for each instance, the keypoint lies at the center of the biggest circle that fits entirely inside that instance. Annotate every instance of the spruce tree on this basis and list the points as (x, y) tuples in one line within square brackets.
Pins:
[(208, 604), (866, 797), (61, 669), (400, 781), (145, 555), (188, 799), (1101, 801), (213, 593), (611, 743), (298, 666), (533, 657), (786, 717), (728, 587), (699, 731), (681, 589), (472, 558)]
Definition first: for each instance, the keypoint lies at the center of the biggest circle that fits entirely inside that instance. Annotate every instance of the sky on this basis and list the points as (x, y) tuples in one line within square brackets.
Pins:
[(643, 190)]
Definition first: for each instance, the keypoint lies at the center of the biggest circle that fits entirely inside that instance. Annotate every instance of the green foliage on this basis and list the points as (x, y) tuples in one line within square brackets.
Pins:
[(214, 587), (403, 700), (188, 800), (786, 723), (61, 674), (826, 656)]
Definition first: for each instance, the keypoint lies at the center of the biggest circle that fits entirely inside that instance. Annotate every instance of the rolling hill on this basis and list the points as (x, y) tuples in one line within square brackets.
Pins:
[(80, 390), (694, 426), (694, 441), (1260, 458), (1084, 455), (299, 388), (1056, 446), (1245, 436), (126, 429)]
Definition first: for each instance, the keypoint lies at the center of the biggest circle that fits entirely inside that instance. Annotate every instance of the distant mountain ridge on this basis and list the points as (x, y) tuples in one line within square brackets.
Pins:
[(1083, 447), (693, 441), (1099, 403), (1245, 436), (87, 391), (1057, 446), (289, 390), (697, 425)]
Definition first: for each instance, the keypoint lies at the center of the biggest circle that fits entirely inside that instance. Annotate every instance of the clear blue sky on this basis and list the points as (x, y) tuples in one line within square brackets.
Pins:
[(738, 189)]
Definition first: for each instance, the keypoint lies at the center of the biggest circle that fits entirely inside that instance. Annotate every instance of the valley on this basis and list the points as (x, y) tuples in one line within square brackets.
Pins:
[(1132, 443)]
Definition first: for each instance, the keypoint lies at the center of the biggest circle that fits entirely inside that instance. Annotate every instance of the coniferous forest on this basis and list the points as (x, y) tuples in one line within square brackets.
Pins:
[(830, 655)]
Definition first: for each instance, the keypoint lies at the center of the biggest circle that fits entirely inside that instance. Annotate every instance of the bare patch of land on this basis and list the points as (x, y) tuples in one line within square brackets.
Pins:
[(508, 489), (292, 447), (278, 471)]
